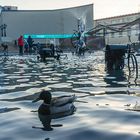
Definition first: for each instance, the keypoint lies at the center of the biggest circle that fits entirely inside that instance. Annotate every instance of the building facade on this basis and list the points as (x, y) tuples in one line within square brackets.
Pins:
[(44, 24), (130, 33)]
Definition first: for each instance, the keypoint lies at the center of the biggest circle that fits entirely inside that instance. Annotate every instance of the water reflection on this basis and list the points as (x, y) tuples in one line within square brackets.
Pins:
[(6, 109), (103, 93), (46, 122), (116, 79)]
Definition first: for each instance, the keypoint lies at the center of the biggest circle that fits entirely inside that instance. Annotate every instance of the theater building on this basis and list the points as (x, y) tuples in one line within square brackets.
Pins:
[(43, 25)]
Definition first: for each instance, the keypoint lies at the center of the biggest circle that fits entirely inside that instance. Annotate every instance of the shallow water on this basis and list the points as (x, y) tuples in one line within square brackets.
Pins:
[(104, 99)]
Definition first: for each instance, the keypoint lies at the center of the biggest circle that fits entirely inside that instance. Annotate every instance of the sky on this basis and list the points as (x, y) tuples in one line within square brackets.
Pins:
[(102, 8)]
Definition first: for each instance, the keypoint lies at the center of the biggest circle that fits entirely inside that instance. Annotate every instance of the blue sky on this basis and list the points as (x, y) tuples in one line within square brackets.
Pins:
[(102, 8)]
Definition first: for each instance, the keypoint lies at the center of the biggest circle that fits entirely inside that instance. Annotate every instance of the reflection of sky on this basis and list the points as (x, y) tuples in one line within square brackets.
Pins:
[(70, 73), (101, 99), (82, 74)]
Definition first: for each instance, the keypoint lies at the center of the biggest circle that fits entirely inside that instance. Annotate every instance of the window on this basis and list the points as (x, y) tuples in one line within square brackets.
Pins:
[(129, 32), (137, 30), (112, 34), (120, 34)]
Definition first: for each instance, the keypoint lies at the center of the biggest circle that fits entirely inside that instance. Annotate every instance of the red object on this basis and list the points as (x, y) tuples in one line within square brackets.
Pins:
[(20, 41)]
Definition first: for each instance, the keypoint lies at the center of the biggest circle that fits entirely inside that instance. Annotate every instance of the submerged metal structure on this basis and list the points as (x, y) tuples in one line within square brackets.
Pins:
[(114, 56), (117, 56)]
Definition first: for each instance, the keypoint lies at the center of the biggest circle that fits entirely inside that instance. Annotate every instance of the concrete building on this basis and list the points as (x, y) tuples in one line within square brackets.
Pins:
[(113, 37), (44, 24)]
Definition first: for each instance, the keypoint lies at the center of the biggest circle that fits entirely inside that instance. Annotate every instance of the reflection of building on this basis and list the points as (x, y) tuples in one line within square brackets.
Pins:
[(45, 24), (113, 37)]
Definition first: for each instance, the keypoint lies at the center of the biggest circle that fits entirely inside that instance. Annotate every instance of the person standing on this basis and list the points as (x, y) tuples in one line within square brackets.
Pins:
[(30, 43), (20, 45)]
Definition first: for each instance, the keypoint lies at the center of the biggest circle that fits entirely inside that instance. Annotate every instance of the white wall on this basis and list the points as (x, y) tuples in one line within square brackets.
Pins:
[(62, 21)]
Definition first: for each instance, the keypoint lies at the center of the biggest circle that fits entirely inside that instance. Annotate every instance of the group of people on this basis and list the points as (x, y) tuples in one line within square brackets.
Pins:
[(25, 46)]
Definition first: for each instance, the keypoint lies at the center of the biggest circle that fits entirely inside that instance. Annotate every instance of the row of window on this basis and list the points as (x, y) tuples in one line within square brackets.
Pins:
[(128, 32), (124, 19)]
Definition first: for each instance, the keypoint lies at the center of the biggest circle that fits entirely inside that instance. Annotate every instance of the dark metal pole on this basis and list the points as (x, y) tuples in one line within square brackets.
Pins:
[(4, 27), (139, 34), (1, 27), (104, 35)]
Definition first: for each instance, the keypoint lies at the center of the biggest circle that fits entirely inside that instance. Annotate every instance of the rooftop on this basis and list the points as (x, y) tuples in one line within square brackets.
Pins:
[(132, 14)]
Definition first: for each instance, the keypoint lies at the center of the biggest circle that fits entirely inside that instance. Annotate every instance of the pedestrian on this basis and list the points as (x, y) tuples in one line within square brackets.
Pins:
[(38, 47), (30, 43), (20, 45)]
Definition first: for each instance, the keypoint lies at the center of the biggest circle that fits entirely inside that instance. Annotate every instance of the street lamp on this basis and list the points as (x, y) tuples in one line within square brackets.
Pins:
[(129, 34), (139, 34), (3, 29)]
